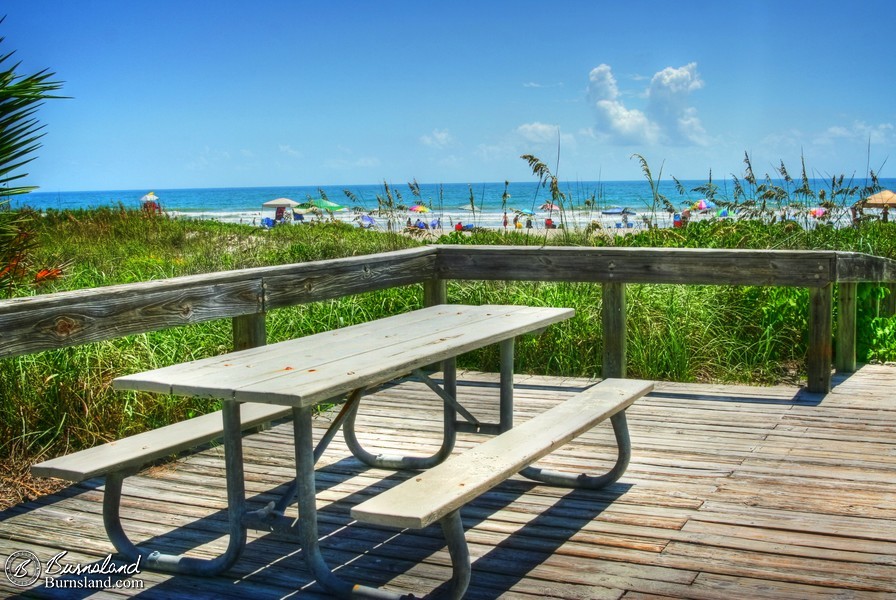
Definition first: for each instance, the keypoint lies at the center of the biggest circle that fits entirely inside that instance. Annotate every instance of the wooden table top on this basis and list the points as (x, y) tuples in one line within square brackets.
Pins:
[(319, 367)]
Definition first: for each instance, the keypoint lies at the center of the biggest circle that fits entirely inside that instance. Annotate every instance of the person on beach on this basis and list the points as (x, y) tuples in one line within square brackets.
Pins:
[(459, 226), (528, 223), (505, 221)]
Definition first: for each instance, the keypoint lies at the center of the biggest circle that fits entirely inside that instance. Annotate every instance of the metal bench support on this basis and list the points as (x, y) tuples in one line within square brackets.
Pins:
[(589, 482), (236, 501)]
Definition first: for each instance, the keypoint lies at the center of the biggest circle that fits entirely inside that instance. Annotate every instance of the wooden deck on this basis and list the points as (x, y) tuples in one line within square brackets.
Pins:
[(733, 492)]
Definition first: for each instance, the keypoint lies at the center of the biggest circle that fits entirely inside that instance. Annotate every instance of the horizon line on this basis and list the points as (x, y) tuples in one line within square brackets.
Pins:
[(40, 190)]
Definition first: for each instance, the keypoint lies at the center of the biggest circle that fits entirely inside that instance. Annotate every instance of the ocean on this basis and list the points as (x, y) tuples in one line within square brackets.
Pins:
[(480, 204)]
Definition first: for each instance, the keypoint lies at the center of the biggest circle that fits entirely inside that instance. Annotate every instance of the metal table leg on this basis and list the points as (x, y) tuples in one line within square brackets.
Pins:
[(307, 523), (393, 461), (305, 527), (507, 385)]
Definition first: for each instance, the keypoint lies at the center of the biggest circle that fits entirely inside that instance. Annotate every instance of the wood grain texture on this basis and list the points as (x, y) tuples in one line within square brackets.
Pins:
[(613, 316), (846, 327), (72, 318), (139, 450), (63, 319), (818, 361), (428, 496), (639, 265), (69, 318), (733, 491), (324, 280), (318, 368)]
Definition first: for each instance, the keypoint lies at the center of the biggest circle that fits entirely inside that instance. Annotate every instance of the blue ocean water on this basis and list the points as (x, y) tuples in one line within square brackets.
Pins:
[(482, 204)]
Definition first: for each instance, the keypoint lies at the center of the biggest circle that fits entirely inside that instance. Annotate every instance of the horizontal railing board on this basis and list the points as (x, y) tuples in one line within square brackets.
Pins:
[(102, 314), (49, 321), (694, 266), (345, 277), (854, 267)]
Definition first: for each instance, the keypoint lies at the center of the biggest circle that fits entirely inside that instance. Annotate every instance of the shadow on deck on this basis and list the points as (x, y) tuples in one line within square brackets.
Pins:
[(733, 491)]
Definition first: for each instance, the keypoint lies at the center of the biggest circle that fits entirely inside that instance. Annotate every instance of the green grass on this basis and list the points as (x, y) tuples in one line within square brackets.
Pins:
[(60, 400)]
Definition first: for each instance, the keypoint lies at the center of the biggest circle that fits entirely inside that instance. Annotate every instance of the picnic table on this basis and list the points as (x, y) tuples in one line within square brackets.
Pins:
[(294, 377)]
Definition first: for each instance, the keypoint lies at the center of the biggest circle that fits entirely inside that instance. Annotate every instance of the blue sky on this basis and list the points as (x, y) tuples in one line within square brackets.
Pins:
[(173, 94)]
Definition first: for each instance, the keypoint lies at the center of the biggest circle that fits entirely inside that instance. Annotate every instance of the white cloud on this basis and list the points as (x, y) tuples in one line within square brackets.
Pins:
[(614, 121), (496, 151), (543, 133), (859, 131), (667, 105), (366, 161), (535, 84), (668, 118), (362, 162), (439, 138), (208, 158), (857, 134), (289, 150), (538, 133)]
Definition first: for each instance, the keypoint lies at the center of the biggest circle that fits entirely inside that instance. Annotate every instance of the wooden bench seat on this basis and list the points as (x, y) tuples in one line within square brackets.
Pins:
[(133, 452), (436, 495)]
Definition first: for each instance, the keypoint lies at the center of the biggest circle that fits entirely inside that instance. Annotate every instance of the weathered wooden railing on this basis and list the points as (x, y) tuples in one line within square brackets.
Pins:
[(68, 318)]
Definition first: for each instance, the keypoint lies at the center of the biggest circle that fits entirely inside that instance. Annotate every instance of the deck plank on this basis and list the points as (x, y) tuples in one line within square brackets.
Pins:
[(733, 491)]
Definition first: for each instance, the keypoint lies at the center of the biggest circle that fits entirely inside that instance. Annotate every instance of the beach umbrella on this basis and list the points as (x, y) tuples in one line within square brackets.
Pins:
[(323, 205), (280, 203), (617, 210), (524, 211), (549, 206), (366, 221), (722, 212), (150, 203), (882, 198), (818, 212), (418, 208), (703, 204)]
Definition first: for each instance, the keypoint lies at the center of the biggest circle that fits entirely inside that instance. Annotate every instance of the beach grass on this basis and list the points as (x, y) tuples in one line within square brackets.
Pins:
[(61, 400)]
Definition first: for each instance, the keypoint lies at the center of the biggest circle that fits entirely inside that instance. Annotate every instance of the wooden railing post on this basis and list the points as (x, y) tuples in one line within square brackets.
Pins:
[(891, 300), (249, 331), (846, 327), (613, 316), (818, 365), (435, 292)]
